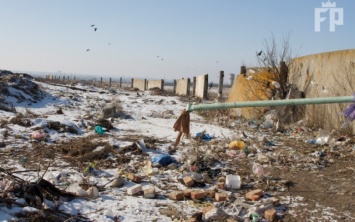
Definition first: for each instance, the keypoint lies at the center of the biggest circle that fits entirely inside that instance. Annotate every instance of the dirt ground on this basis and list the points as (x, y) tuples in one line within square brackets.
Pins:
[(321, 177)]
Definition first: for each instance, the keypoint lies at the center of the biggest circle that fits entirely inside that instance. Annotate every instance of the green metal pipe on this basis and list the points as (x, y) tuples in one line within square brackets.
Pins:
[(285, 102)]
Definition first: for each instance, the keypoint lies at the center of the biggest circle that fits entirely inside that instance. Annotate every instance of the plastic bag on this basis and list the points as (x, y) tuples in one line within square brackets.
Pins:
[(258, 170), (237, 145), (205, 137), (163, 160), (38, 135)]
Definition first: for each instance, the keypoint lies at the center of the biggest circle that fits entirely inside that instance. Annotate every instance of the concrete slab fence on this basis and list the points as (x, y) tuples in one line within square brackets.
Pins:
[(140, 84), (155, 84), (182, 87)]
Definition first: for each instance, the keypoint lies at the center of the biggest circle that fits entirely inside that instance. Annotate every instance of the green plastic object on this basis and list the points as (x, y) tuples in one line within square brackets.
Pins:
[(99, 130), (284, 102)]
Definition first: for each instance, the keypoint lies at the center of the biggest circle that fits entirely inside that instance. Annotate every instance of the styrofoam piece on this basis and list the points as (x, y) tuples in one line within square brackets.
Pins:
[(233, 182)]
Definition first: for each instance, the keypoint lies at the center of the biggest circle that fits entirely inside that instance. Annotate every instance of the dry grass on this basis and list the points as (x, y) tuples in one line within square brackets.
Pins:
[(82, 149)]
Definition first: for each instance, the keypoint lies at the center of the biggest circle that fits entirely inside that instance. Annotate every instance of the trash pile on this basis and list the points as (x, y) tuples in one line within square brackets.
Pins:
[(74, 164)]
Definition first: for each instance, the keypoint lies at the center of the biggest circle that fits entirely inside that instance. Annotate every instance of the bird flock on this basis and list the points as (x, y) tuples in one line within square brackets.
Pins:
[(95, 29)]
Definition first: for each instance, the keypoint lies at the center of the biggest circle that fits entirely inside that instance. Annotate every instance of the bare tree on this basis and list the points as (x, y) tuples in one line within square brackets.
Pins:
[(270, 78), (275, 59)]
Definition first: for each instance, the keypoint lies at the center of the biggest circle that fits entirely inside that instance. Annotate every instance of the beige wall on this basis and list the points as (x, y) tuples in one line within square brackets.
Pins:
[(139, 83), (182, 87), (326, 74), (155, 84)]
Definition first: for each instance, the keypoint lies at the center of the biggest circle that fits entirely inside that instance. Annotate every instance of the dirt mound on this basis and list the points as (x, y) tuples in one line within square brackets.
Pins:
[(17, 88)]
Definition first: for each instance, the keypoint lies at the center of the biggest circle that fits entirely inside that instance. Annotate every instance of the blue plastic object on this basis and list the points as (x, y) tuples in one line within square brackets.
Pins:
[(99, 130), (163, 160), (270, 143), (313, 141), (206, 136)]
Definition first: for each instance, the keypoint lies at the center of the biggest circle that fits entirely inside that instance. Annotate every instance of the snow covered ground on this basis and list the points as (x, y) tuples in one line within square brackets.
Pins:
[(150, 116)]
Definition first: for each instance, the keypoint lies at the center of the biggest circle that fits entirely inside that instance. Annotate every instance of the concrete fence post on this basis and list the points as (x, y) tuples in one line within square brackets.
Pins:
[(145, 84), (110, 82), (174, 86), (162, 84), (101, 82), (231, 79), (121, 82), (132, 80), (194, 86), (205, 87), (220, 85), (243, 70), (283, 78), (188, 86)]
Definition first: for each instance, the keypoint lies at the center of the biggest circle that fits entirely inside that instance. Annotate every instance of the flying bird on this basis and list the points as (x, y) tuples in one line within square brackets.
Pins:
[(95, 29), (259, 54), (88, 50), (92, 25)]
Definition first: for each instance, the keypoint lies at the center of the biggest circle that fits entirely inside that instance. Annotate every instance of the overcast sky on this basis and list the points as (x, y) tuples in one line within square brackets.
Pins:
[(159, 39)]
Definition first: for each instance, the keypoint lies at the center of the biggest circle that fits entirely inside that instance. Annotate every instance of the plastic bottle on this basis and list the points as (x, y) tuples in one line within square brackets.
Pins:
[(255, 218)]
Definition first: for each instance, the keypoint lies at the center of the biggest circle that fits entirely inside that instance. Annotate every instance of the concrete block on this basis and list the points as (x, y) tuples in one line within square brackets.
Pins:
[(220, 197), (176, 195), (255, 197), (188, 181), (275, 201), (250, 194), (134, 178), (270, 214), (149, 193), (220, 185), (187, 192), (134, 190), (210, 193), (198, 195)]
